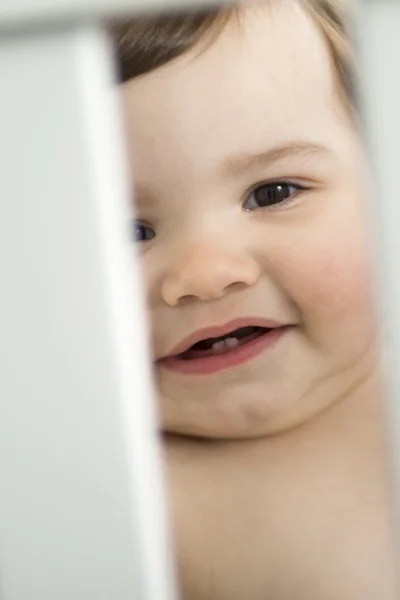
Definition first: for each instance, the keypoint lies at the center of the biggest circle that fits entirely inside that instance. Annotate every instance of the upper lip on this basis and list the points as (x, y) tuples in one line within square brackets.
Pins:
[(221, 331)]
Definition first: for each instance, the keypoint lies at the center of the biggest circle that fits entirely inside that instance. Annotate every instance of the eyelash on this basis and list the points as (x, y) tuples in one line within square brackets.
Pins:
[(280, 204)]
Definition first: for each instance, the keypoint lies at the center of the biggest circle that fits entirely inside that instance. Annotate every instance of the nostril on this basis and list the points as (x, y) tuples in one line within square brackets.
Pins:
[(187, 299), (208, 294), (235, 287), (202, 296)]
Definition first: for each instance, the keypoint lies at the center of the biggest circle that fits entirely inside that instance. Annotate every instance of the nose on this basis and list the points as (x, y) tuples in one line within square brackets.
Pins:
[(207, 272)]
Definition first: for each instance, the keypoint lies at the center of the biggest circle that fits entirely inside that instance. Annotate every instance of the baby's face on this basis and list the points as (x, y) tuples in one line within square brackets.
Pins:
[(251, 195)]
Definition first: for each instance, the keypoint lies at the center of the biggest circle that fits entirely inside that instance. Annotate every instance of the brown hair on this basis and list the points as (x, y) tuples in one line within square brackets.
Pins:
[(146, 43)]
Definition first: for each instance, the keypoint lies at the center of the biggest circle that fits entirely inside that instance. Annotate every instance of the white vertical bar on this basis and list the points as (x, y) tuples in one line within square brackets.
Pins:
[(81, 502), (379, 45)]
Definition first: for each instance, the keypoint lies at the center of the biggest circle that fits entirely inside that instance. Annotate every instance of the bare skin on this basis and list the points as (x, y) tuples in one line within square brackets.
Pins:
[(300, 516), (276, 468)]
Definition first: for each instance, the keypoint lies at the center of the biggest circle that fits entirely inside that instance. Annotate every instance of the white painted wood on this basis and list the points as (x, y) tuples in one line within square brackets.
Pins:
[(81, 498), (379, 45), (26, 12)]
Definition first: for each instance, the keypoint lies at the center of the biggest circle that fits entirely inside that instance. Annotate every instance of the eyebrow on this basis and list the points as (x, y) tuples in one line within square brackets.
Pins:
[(235, 165)]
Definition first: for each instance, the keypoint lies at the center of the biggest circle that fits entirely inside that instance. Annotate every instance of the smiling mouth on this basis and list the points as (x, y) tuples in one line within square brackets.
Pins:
[(223, 345), (214, 354)]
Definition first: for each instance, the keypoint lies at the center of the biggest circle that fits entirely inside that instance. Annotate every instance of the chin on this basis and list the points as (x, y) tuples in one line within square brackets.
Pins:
[(239, 414)]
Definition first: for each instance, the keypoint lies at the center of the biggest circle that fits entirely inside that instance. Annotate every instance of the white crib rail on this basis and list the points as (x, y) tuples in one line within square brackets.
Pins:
[(379, 45), (81, 498), (29, 12)]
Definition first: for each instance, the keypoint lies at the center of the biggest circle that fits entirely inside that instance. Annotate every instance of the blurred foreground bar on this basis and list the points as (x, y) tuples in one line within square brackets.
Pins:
[(40, 12), (82, 511), (378, 34)]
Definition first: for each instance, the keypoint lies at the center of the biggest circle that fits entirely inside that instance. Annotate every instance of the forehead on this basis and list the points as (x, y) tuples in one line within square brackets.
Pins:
[(265, 81)]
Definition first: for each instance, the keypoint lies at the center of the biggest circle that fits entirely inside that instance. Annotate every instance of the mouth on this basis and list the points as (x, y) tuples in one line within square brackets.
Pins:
[(224, 344), (214, 353)]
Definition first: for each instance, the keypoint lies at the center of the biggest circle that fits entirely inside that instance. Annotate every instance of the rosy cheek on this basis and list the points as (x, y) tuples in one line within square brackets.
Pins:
[(334, 281)]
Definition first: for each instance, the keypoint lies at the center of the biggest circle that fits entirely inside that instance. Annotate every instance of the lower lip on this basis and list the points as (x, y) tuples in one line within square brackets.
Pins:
[(219, 362)]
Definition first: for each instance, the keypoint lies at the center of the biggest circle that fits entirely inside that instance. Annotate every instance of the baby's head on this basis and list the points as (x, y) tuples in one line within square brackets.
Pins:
[(250, 184)]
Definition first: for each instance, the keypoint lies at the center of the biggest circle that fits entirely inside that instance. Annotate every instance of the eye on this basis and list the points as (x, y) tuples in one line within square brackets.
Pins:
[(271, 194), (141, 232)]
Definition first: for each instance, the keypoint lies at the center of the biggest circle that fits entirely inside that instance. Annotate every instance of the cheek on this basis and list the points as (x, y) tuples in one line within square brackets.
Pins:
[(331, 279)]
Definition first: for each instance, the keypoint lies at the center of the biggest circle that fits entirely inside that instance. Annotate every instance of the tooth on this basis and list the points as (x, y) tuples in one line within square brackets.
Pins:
[(219, 346), (231, 342)]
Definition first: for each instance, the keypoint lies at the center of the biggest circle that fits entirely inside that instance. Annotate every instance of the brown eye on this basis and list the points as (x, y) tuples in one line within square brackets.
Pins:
[(141, 232), (271, 194)]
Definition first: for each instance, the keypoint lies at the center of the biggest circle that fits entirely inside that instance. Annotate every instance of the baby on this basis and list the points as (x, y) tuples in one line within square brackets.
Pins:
[(252, 189)]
